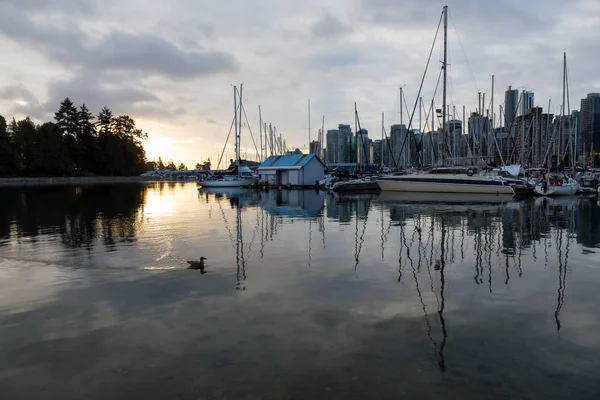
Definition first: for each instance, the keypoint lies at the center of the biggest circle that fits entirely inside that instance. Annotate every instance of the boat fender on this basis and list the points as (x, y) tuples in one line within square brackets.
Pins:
[(470, 172)]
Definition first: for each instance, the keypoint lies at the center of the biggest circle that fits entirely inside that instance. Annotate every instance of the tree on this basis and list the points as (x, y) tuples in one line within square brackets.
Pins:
[(160, 164), (104, 122), (182, 167), (86, 127), (171, 165), (66, 118), (206, 165), (25, 139), (198, 166), (8, 155)]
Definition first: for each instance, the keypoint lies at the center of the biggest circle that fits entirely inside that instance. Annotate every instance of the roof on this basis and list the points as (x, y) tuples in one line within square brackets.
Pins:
[(288, 161)]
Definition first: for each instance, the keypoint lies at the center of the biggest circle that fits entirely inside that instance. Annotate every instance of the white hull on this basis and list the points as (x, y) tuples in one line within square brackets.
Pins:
[(568, 189), (437, 187), (227, 183)]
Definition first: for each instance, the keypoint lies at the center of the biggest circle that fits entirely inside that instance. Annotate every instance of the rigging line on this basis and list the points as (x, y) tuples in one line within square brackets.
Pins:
[(250, 129), (421, 85), (464, 52), (226, 140)]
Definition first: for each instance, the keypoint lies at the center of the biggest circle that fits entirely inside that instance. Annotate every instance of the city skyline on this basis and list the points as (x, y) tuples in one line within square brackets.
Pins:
[(171, 69)]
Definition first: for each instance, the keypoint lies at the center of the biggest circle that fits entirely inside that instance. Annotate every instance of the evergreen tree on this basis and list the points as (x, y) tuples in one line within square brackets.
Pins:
[(198, 166), (8, 155), (67, 118), (182, 167), (171, 165), (87, 130), (51, 154), (160, 164), (104, 122), (25, 139)]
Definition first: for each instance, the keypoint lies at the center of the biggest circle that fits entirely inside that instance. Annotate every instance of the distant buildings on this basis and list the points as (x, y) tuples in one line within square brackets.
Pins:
[(511, 99), (535, 141), (590, 123), (526, 102), (314, 148)]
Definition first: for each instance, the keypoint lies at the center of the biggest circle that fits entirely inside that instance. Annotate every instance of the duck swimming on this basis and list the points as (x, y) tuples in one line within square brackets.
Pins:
[(198, 264)]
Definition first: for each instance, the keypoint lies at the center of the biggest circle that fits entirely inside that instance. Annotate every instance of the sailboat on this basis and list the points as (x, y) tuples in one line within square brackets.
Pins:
[(557, 183), (447, 179), (242, 175)]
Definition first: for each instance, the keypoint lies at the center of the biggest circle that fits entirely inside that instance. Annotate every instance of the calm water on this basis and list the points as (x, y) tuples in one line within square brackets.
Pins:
[(305, 295)]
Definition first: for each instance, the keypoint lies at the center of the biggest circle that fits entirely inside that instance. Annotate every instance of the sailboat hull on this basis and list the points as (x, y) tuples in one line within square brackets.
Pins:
[(567, 189), (444, 184)]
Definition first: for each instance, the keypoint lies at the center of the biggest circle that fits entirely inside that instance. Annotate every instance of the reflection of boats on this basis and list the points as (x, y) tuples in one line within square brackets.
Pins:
[(293, 203), (236, 195), (448, 198), (243, 175), (356, 185), (446, 180)]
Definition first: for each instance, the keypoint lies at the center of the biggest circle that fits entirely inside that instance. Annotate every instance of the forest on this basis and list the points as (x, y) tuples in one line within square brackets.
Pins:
[(76, 143)]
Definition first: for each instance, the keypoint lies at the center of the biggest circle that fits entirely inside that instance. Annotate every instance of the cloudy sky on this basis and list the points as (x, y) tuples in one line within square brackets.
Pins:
[(171, 64)]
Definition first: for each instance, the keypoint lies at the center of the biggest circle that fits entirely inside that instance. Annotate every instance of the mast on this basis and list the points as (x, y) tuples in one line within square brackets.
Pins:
[(357, 152), (400, 105), (235, 123), (309, 125), (562, 115), (322, 138), (444, 66), (260, 133), (239, 133), (381, 155)]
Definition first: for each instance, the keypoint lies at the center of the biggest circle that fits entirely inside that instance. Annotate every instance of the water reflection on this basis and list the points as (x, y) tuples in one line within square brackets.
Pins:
[(382, 284), (79, 215)]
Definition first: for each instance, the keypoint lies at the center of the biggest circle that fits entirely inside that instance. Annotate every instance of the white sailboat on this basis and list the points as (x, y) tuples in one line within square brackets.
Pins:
[(447, 179), (558, 183), (243, 175)]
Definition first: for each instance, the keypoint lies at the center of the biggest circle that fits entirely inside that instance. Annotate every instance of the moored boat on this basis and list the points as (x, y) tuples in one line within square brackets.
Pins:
[(447, 180)]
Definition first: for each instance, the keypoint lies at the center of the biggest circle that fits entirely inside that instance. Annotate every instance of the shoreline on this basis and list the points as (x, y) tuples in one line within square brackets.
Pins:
[(71, 180)]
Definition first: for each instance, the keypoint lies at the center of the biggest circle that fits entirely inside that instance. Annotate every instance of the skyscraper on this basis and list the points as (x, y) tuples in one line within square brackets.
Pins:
[(511, 99), (363, 144), (590, 122), (526, 102), (346, 144), (333, 146)]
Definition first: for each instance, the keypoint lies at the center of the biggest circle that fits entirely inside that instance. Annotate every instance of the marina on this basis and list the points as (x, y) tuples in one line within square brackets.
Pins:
[(345, 292)]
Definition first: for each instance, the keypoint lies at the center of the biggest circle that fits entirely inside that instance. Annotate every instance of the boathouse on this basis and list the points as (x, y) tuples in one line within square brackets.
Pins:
[(296, 170)]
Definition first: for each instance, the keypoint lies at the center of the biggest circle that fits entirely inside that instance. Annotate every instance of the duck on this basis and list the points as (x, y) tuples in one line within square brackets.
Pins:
[(198, 264)]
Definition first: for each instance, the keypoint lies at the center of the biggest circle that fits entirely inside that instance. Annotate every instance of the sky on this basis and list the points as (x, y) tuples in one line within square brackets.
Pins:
[(171, 65)]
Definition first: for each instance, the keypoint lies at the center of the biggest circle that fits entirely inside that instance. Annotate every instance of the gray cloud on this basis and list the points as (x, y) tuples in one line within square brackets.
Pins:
[(117, 50), (329, 26)]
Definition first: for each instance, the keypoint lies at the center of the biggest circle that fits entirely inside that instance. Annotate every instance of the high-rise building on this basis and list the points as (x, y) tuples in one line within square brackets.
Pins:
[(377, 152), (346, 144), (400, 145), (333, 146), (511, 99), (526, 102), (534, 140), (363, 144), (590, 122)]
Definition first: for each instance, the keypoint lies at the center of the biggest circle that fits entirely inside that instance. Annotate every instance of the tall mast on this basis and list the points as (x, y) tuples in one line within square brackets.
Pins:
[(322, 154), (260, 133), (235, 123), (309, 125), (562, 116), (239, 132), (381, 151), (444, 65)]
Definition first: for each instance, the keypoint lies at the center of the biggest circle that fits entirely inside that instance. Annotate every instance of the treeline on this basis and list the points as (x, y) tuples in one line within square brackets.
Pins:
[(161, 165), (74, 144)]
